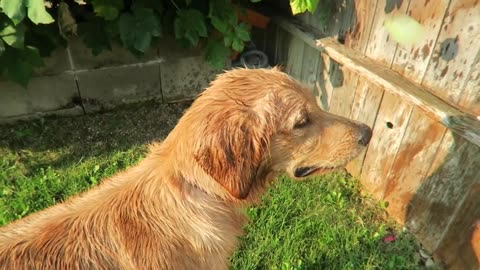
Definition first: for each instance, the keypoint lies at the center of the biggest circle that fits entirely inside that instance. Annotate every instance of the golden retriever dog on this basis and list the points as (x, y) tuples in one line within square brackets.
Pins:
[(182, 206)]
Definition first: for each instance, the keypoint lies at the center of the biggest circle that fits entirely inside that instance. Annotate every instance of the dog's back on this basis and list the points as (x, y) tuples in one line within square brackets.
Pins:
[(129, 222)]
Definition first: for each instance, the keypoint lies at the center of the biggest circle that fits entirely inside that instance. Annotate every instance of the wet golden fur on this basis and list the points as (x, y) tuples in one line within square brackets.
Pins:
[(181, 207)]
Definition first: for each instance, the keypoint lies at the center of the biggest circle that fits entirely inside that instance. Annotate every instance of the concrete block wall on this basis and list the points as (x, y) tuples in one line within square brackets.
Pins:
[(73, 81)]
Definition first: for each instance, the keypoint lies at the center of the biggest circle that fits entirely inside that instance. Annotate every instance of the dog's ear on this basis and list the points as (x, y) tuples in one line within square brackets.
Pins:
[(231, 152)]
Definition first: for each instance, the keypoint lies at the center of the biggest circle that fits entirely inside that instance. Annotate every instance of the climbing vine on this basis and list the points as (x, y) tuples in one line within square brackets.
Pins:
[(31, 29)]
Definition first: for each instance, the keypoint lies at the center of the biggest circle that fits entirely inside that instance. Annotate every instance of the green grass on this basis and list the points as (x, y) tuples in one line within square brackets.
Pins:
[(324, 223)]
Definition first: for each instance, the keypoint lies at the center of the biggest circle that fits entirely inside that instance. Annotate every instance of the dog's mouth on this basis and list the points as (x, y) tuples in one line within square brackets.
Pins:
[(307, 171)]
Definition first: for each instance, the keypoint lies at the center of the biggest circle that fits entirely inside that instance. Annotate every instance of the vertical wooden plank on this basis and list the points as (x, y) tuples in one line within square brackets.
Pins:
[(433, 209), (310, 68), (282, 46), (381, 47), (423, 135), (332, 77), (417, 151), (385, 141), (412, 61), (367, 98), (342, 96), (365, 14), (322, 89), (435, 203), (295, 57), (455, 50), (296, 52), (464, 252), (365, 108), (470, 98), (390, 125)]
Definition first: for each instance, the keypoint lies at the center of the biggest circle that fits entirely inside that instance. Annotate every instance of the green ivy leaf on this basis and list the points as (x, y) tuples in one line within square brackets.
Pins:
[(223, 10), (107, 9), (137, 29), (242, 32), (227, 41), (216, 53), (238, 45), (14, 9), (220, 25), (190, 24), (18, 64), (13, 35), (37, 12), (300, 6), (93, 32)]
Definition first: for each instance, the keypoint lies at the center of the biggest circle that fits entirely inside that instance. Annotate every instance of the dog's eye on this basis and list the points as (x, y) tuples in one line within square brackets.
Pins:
[(302, 123)]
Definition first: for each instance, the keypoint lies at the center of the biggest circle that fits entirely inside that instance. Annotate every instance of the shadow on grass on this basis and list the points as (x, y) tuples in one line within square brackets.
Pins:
[(59, 142)]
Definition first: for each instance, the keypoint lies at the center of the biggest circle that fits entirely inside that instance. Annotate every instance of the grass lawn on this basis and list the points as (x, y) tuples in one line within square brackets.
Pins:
[(324, 223)]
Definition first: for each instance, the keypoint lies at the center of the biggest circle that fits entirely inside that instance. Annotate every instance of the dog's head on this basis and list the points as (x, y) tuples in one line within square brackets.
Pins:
[(253, 124)]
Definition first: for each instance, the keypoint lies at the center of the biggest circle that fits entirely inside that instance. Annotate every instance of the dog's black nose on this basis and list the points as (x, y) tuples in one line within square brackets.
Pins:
[(365, 135)]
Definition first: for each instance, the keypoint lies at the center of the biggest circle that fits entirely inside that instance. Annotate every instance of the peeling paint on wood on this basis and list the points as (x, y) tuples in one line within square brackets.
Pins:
[(470, 100), (455, 50), (365, 14), (412, 61), (380, 46), (463, 124), (423, 135), (447, 183), (417, 151), (367, 97), (392, 120), (428, 174)]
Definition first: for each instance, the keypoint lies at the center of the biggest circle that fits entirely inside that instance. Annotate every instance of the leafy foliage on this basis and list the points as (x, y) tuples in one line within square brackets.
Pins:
[(300, 6), (107, 9), (190, 25), (216, 53), (130, 24), (34, 9), (31, 29), (18, 64)]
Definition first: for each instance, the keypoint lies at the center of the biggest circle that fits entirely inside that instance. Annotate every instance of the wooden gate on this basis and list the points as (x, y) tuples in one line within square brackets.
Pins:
[(423, 103)]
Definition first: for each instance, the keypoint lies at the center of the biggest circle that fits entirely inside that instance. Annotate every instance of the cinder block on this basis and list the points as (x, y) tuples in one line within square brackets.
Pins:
[(185, 78), (14, 100), (56, 63), (106, 87), (46, 93), (84, 59)]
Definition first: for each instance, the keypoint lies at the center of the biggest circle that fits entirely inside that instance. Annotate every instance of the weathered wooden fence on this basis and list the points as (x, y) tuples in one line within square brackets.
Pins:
[(423, 103)]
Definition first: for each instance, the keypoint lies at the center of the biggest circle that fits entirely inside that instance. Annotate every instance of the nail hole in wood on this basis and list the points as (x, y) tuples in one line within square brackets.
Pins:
[(389, 125)]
